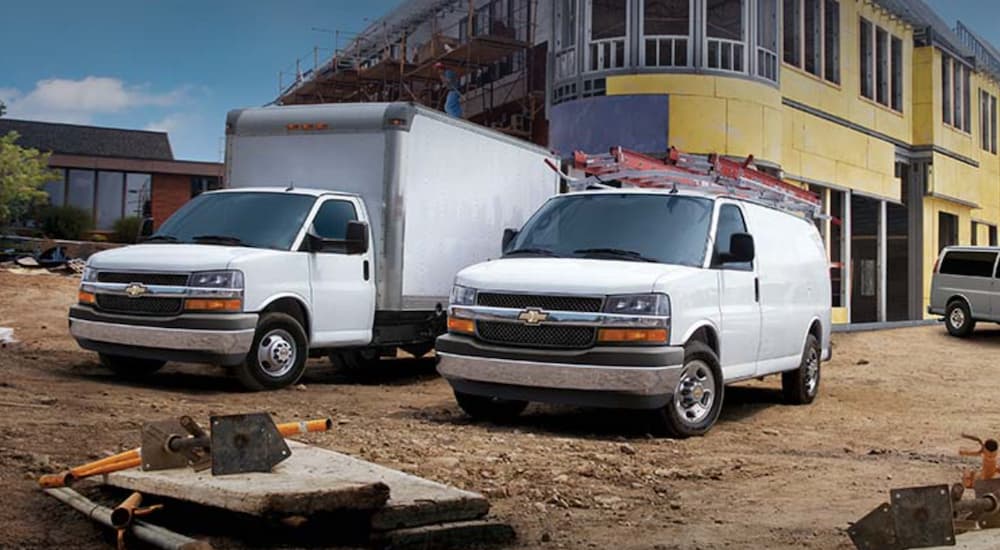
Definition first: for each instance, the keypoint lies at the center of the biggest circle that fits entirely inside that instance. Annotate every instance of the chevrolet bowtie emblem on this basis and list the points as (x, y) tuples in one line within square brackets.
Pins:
[(135, 290), (532, 316)]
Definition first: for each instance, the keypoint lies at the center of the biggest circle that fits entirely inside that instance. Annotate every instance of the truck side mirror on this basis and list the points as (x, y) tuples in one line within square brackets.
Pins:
[(508, 237), (741, 248), (357, 237)]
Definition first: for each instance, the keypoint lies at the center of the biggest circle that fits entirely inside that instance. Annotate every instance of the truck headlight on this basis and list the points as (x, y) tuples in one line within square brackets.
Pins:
[(89, 275), (638, 304), (462, 296), (231, 279)]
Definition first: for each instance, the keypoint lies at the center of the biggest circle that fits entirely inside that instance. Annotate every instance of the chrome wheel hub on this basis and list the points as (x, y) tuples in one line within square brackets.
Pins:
[(276, 353), (957, 317), (812, 371), (695, 392)]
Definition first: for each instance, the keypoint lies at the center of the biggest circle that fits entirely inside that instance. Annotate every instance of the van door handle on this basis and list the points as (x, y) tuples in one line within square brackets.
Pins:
[(364, 268), (756, 289)]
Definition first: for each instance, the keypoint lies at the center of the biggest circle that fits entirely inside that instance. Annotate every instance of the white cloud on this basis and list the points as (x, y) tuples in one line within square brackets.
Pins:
[(78, 101), (170, 123)]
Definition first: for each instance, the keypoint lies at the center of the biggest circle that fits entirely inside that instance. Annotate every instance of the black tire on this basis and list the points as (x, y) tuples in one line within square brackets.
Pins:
[(958, 319), (801, 386), (490, 408), (130, 367), (355, 359), (278, 355), (700, 365)]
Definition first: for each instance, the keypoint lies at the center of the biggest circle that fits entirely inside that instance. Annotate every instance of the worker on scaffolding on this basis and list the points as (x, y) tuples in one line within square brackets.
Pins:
[(453, 101)]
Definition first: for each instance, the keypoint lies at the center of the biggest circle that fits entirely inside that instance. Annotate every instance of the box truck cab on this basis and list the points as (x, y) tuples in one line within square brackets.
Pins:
[(340, 234), (643, 299)]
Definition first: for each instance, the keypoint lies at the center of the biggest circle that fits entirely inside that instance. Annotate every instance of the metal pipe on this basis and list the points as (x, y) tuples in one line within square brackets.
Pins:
[(978, 506), (151, 534)]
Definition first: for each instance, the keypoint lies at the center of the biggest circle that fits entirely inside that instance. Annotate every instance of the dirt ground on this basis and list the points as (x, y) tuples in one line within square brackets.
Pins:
[(891, 409)]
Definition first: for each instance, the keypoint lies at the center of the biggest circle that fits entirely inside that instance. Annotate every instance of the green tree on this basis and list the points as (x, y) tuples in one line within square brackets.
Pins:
[(22, 173)]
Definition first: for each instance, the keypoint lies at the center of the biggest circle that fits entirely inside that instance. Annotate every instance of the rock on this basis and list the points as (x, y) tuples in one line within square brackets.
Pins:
[(561, 478), (607, 500), (546, 537), (47, 400), (443, 462), (627, 449), (770, 431), (862, 362), (675, 505), (540, 506)]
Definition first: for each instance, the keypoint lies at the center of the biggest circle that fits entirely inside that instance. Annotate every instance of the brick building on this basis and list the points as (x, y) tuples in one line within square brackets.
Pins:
[(113, 172)]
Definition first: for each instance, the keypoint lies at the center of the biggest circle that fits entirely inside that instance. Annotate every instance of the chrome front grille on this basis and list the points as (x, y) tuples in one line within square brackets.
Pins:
[(589, 304), (146, 305), (543, 336), (165, 279)]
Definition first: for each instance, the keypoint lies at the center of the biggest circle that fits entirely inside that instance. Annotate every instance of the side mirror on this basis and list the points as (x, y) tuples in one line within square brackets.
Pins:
[(741, 248), (508, 237), (357, 237)]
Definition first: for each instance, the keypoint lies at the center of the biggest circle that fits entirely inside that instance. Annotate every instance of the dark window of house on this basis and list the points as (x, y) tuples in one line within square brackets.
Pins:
[(881, 66), (947, 230), (138, 191), (812, 36), (969, 263), (946, 90), (331, 220), (867, 59), (80, 189), (607, 19), (791, 25), (200, 184), (730, 222), (993, 235), (831, 41), (975, 230), (966, 99), (897, 74), (110, 198), (993, 124)]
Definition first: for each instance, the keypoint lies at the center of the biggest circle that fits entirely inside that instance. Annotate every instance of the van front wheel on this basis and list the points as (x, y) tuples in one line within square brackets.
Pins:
[(278, 355), (958, 319), (697, 398)]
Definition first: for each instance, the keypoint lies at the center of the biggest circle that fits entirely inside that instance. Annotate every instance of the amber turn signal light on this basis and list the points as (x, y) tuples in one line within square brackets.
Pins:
[(464, 326), (202, 304), (633, 335), (85, 297)]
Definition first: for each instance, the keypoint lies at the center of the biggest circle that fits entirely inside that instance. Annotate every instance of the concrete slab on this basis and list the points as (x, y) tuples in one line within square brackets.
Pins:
[(316, 480), (987, 539)]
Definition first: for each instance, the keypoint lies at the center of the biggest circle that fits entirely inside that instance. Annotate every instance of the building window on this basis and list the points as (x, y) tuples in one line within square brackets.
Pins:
[(56, 189), (947, 230), (817, 22), (767, 39), (955, 94), (80, 189), (725, 35), (897, 74), (201, 184), (138, 192), (608, 34), (791, 32), (666, 31), (110, 199), (993, 235), (867, 59), (881, 65), (565, 57)]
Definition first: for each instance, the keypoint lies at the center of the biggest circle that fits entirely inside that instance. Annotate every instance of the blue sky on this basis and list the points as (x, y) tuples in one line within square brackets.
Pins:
[(176, 65), (179, 65)]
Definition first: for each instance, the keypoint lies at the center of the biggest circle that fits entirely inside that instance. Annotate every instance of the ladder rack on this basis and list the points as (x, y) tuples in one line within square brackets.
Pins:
[(711, 174)]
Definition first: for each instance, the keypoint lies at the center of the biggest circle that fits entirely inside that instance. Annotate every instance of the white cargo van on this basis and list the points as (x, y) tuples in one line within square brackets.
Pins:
[(341, 233), (644, 299)]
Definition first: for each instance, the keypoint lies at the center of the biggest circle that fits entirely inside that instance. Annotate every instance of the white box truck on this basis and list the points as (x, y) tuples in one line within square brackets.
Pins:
[(340, 234)]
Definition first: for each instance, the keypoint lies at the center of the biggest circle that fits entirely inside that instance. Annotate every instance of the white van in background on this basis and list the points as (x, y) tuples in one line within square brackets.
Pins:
[(644, 299), (341, 234)]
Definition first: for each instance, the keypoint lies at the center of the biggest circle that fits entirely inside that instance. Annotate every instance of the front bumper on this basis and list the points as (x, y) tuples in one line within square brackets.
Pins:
[(619, 377), (197, 338)]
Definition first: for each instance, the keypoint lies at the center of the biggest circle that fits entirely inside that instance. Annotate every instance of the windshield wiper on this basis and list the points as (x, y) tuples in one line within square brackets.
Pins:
[(628, 254), (538, 251), (219, 239), (164, 238)]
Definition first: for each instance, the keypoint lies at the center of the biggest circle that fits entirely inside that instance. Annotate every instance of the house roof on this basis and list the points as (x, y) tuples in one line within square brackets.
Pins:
[(73, 139)]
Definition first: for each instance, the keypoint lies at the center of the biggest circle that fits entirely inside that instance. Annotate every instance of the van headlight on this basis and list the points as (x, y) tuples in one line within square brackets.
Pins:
[(638, 304), (462, 296), (229, 279)]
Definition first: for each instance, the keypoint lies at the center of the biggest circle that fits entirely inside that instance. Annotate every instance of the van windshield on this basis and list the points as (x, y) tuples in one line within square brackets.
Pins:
[(667, 229), (258, 220)]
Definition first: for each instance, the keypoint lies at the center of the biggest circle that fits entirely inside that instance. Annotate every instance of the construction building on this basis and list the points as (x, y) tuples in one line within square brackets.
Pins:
[(880, 107)]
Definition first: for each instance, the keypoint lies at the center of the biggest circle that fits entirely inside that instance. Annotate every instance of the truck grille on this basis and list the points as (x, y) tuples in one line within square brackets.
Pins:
[(588, 304), (139, 306), (168, 279), (547, 336)]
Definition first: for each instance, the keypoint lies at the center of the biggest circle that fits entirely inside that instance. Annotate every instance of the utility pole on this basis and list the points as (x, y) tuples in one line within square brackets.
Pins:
[(3, 108)]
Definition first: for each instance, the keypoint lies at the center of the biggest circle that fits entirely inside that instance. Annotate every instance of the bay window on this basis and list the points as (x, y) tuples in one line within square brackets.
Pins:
[(608, 26), (666, 28), (725, 32), (767, 39), (565, 54), (812, 37)]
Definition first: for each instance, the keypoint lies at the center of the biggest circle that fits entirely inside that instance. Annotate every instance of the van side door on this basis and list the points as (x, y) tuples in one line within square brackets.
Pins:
[(342, 284), (739, 302)]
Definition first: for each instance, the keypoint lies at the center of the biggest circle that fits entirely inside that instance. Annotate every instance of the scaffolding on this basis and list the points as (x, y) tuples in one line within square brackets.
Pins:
[(488, 44)]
